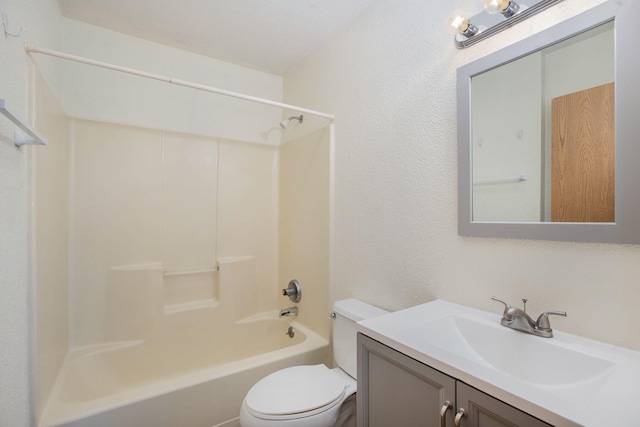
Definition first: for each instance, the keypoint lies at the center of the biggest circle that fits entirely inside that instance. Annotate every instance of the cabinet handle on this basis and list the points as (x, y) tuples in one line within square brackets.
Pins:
[(443, 413), (459, 416)]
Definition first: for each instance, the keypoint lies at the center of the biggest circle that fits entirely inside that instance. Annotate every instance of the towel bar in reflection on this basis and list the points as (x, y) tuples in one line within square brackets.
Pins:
[(519, 178)]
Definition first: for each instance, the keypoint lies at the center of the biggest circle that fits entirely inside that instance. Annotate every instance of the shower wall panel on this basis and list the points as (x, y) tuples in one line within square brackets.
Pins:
[(189, 216), (189, 198), (49, 201), (155, 218), (248, 215), (116, 215), (305, 217)]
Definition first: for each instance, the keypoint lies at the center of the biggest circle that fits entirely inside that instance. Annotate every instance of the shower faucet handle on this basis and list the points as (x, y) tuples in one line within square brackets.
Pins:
[(293, 291)]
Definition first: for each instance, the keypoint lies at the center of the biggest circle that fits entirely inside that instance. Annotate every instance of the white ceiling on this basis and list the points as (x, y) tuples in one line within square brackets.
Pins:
[(268, 35)]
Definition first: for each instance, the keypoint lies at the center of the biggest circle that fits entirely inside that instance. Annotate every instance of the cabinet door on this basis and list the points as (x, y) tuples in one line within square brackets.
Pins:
[(483, 410), (396, 390)]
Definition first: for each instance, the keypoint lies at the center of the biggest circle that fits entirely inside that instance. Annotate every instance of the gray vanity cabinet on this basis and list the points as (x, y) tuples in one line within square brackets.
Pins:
[(396, 390)]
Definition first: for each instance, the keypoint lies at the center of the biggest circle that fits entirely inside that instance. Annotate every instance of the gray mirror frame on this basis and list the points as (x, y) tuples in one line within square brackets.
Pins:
[(626, 229)]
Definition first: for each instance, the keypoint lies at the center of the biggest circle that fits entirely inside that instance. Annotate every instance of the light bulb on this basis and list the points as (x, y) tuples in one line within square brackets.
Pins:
[(495, 6), (507, 8), (459, 23)]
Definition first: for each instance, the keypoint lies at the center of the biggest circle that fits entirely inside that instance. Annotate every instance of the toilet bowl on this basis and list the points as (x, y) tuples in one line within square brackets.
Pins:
[(298, 396), (313, 395)]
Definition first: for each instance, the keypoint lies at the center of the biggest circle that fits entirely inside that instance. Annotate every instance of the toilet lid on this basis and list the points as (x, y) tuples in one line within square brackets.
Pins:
[(295, 390)]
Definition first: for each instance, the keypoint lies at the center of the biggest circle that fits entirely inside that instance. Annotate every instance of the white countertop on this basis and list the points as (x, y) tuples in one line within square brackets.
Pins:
[(610, 396)]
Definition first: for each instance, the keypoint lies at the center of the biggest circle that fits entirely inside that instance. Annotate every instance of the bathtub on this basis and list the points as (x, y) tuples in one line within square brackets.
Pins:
[(179, 380)]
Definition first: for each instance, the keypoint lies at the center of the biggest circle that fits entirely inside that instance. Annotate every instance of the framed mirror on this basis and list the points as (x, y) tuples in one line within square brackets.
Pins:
[(549, 134)]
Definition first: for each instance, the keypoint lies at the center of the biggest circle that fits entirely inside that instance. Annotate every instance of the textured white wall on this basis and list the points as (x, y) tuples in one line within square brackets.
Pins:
[(41, 18), (390, 78)]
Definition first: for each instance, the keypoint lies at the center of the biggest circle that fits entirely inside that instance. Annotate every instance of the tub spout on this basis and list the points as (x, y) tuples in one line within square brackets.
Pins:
[(291, 311)]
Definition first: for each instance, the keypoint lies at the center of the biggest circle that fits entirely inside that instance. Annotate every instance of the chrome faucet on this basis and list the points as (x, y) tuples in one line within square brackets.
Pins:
[(519, 320), (291, 311)]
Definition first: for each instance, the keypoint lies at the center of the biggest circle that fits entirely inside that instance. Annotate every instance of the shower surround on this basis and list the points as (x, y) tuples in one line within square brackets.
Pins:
[(178, 247)]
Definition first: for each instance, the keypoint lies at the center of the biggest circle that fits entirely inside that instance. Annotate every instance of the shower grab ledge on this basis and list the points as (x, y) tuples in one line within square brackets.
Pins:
[(18, 139), (180, 307), (188, 272)]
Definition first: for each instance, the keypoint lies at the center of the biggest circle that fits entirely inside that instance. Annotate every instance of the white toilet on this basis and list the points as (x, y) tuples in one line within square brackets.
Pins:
[(313, 396)]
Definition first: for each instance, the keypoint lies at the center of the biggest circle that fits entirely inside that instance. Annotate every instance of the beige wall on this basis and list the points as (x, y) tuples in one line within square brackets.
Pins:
[(390, 78)]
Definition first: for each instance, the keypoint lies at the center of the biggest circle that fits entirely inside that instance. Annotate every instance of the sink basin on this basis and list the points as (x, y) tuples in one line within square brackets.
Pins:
[(532, 359)]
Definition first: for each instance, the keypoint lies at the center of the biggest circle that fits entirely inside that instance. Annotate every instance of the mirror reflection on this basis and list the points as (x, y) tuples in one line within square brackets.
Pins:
[(543, 134)]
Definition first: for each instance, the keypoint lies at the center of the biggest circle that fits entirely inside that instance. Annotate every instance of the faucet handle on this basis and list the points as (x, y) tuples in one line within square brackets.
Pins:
[(506, 305), (543, 320)]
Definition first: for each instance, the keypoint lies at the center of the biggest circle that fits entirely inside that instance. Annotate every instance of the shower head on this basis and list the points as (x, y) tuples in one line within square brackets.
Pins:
[(285, 122)]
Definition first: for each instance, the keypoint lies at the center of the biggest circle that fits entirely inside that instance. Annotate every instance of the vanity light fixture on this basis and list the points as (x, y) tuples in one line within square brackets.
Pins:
[(497, 15)]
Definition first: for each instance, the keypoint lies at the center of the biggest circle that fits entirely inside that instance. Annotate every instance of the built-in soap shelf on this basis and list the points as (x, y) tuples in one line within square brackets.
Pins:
[(189, 306), (195, 289), (189, 272), (174, 291)]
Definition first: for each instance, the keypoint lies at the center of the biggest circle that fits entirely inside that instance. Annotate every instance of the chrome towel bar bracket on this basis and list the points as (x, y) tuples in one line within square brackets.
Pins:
[(20, 140)]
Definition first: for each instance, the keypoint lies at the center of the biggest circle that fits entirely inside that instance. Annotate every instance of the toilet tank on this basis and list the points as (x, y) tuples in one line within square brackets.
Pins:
[(348, 312)]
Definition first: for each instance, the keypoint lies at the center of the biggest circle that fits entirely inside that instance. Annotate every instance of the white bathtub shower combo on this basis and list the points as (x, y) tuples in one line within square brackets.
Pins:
[(181, 220), (313, 395), (174, 293)]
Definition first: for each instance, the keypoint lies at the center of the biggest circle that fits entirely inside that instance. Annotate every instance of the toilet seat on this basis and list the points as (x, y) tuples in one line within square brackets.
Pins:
[(286, 394)]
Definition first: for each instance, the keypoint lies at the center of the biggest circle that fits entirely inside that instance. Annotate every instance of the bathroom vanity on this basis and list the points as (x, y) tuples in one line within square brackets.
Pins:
[(443, 364), (398, 390)]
